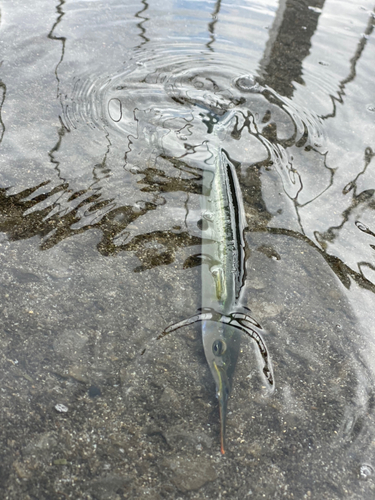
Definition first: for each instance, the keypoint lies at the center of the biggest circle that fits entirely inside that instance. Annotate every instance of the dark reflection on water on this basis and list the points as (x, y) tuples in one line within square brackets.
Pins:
[(280, 66), (3, 94), (353, 61), (110, 114)]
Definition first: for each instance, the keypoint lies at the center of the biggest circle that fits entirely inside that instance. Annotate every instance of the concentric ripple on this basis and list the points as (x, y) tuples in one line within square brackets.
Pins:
[(177, 89), (179, 106)]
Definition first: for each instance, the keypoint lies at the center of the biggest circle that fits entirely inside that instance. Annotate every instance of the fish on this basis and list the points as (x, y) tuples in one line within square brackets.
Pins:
[(223, 275)]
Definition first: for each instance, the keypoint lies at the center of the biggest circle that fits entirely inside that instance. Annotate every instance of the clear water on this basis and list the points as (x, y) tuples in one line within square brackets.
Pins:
[(108, 118)]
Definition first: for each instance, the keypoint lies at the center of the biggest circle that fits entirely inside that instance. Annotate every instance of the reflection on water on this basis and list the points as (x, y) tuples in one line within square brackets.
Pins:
[(280, 66), (107, 116)]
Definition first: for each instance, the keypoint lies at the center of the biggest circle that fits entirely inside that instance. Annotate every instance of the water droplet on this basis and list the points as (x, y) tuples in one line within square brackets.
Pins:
[(134, 169), (115, 109), (247, 83), (363, 227), (360, 226), (371, 108), (208, 216), (139, 206)]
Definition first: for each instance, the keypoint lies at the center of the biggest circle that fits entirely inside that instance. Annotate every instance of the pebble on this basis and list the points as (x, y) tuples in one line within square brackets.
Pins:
[(263, 309), (365, 471), (61, 408), (176, 435), (189, 474), (78, 373), (70, 343), (94, 391)]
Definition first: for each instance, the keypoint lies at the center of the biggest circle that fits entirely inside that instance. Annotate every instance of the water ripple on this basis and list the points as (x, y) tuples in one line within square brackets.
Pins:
[(161, 117)]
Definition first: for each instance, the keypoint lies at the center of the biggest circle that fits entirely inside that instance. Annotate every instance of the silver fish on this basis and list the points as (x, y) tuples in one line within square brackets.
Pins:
[(223, 276)]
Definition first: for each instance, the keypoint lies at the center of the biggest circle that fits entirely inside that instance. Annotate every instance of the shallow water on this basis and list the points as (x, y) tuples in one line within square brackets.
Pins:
[(110, 113)]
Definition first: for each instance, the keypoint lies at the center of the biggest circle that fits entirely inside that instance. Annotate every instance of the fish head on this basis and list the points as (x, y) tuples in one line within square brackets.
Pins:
[(221, 344)]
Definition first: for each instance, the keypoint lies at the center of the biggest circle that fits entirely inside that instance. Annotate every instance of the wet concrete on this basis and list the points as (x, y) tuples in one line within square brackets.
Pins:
[(100, 243), (139, 425)]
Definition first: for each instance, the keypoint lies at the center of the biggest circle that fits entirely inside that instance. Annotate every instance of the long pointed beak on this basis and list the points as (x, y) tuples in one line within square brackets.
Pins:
[(222, 395)]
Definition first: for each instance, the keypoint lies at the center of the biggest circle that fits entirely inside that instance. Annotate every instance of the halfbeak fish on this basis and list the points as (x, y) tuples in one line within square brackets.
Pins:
[(223, 276), (221, 345)]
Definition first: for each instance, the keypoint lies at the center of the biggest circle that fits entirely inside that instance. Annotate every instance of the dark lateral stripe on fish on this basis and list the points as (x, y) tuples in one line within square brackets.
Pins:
[(237, 224)]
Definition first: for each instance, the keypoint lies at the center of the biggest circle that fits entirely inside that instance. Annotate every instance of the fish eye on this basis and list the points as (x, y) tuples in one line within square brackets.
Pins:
[(219, 347), (202, 224)]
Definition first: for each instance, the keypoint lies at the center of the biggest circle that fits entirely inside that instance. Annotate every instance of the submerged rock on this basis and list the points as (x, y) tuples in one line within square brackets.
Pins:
[(190, 474)]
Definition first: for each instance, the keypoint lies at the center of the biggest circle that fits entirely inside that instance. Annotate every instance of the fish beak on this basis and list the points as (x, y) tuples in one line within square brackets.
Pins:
[(222, 395)]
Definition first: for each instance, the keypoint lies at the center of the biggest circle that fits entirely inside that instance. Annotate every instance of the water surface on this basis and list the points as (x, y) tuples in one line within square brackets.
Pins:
[(110, 114)]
